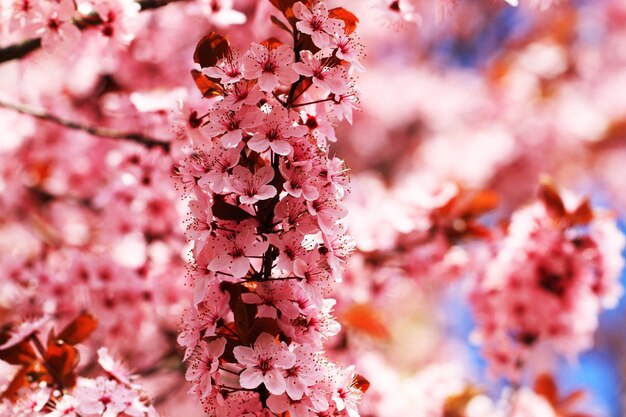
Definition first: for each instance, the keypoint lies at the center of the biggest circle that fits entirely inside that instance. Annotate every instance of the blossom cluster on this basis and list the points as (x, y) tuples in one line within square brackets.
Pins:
[(553, 273), (47, 384), (58, 23), (267, 221)]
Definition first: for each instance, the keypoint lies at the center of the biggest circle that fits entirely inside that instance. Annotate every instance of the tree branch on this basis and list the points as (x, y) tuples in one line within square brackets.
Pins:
[(20, 50), (104, 132)]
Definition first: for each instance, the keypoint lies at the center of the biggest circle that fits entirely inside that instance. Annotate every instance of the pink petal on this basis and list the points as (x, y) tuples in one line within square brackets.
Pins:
[(258, 143), (265, 192), (245, 356), (274, 382), (250, 378), (281, 147)]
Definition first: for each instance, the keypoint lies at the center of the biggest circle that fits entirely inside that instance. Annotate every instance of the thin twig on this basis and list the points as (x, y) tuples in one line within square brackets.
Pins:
[(311, 102), (21, 49), (104, 132)]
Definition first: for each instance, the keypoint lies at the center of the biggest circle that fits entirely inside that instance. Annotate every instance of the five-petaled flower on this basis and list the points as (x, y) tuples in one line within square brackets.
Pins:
[(264, 363)]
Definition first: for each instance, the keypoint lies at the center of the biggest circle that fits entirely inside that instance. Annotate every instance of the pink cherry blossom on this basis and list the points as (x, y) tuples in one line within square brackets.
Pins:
[(236, 248), (270, 66), (227, 70), (229, 124), (264, 363), (252, 187), (327, 78), (278, 127), (316, 23), (204, 363)]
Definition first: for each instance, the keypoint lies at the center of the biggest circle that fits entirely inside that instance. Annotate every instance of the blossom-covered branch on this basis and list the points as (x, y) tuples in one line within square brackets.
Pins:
[(104, 132), (61, 22), (267, 220)]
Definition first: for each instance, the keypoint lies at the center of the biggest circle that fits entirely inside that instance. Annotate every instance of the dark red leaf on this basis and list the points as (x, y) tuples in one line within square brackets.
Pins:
[(63, 359), (480, 202), (583, 213), (546, 387), (207, 86), (79, 329), (348, 18), (550, 197), (210, 49), (361, 383), (271, 43), (363, 318), (18, 382), (20, 354)]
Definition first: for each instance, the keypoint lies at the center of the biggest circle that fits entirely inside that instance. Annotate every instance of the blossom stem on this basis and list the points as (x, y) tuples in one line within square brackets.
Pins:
[(312, 102), (103, 132)]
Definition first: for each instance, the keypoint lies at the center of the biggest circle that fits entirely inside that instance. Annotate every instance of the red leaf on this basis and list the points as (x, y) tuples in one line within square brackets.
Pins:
[(480, 202), (63, 359), (210, 49), (546, 387), (583, 213), (79, 329), (286, 7), (550, 197), (364, 318), (361, 383), (348, 18), (19, 381), (20, 354), (207, 86), (271, 43)]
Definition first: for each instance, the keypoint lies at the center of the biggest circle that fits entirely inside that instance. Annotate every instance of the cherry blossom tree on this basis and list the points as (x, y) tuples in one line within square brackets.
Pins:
[(311, 208)]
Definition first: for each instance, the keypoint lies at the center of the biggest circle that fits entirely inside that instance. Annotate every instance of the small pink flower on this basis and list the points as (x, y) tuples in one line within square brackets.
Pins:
[(114, 367), (298, 182), (252, 187), (348, 50), (23, 331), (203, 365), (305, 373), (233, 250), (346, 396), (58, 30), (270, 66), (115, 15), (317, 23), (244, 92), (344, 104), (66, 407), (230, 124), (282, 403), (290, 245), (332, 79), (227, 69), (264, 363), (279, 125)]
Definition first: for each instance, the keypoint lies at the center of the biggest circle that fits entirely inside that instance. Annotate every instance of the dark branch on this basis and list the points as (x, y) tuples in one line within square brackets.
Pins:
[(104, 132), (20, 50)]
